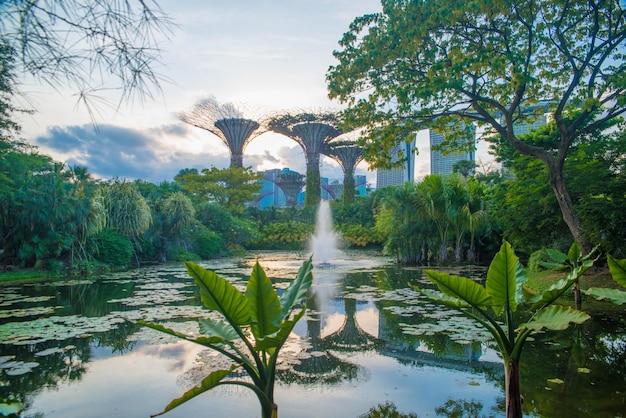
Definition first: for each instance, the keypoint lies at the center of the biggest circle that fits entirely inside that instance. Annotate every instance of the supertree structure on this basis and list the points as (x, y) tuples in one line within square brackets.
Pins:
[(291, 183), (227, 122), (312, 131), (348, 154)]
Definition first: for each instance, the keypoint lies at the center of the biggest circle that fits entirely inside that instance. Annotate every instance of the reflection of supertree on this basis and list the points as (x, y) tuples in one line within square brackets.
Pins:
[(291, 183), (350, 337), (228, 123), (348, 155), (317, 365), (312, 131)]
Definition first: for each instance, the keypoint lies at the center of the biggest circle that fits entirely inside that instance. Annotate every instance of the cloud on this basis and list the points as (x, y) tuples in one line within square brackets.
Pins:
[(113, 151), (158, 153)]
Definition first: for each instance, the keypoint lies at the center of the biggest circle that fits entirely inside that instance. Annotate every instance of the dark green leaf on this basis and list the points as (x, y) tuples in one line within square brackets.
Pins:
[(504, 280), (616, 296), (207, 383), (277, 340), (557, 289), (296, 292), (217, 293), (264, 304), (556, 318), (618, 270), (223, 330), (460, 288)]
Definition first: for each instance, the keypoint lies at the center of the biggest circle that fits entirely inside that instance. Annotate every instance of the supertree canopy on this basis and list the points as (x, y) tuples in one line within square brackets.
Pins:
[(348, 154), (290, 183), (312, 131), (227, 122)]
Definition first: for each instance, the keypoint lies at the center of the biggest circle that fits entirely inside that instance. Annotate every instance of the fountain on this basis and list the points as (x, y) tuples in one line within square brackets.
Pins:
[(324, 244)]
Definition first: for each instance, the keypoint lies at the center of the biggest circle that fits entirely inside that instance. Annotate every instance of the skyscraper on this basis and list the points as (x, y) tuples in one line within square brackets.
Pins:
[(443, 164), (400, 175)]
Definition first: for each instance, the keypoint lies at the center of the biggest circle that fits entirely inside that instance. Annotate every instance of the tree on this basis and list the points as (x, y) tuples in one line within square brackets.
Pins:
[(464, 167), (127, 211), (68, 42), (495, 304), (596, 177), (312, 131), (252, 329), (499, 64), (348, 155), (228, 122), (231, 187)]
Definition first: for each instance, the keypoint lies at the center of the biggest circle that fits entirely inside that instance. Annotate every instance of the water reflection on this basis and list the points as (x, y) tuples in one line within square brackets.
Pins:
[(367, 339)]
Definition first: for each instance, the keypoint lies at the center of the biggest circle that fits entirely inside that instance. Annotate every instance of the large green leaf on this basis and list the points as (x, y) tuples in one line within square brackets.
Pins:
[(574, 254), (618, 270), (559, 258), (460, 288), (442, 298), (217, 293), (555, 317), (207, 383), (210, 328), (504, 280), (616, 296), (296, 292), (271, 342), (206, 341), (264, 304), (557, 289)]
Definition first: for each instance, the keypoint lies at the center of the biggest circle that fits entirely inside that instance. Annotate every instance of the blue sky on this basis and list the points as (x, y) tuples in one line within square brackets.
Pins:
[(264, 56)]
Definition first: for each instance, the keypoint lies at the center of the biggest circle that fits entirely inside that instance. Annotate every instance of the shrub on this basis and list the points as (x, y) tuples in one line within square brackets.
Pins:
[(112, 248), (536, 259)]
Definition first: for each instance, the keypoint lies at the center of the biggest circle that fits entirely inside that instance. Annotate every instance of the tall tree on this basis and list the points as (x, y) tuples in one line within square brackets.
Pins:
[(69, 42), (497, 63), (348, 155), (313, 131), (231, 187), (228, 122)]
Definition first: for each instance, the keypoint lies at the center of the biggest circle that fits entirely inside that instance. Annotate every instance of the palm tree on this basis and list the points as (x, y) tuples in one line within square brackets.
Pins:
[(127, 211)]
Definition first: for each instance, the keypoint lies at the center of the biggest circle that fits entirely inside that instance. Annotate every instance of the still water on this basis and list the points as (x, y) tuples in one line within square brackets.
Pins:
[(72, 349)]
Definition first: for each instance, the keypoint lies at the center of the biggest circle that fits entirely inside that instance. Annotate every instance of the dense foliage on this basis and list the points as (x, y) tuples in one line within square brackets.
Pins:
[(445, 64)]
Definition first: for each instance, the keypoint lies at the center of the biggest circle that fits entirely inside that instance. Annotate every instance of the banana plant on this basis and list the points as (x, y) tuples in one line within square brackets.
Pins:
[(618, 272), (494, 306), (569, 261), (253, 328)]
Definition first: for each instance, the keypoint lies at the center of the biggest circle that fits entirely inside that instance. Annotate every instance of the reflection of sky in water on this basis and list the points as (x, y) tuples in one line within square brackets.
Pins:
[(157, 368), (143, 382)]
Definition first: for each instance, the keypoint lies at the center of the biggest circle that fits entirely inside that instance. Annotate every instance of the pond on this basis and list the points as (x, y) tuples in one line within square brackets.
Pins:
[(72, 349)]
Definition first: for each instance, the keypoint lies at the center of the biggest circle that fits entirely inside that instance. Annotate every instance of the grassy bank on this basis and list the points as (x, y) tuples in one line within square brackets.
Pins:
[(23, 276)]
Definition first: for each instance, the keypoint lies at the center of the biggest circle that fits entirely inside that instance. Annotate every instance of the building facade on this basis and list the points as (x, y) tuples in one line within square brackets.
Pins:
[(441, 163), (398, 176)]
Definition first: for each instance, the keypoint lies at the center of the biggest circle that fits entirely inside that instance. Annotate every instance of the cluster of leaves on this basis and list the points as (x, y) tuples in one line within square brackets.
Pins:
[(290, 232), (595, 173), (359, 235), (495, 304), (433, 215), (252, 329)]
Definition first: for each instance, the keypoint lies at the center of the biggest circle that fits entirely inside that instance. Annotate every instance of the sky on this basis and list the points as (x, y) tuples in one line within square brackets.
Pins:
[(262, 55)]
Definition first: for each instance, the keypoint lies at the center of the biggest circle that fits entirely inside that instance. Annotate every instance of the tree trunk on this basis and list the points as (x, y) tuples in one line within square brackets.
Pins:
[(557, 182), (512, 388)]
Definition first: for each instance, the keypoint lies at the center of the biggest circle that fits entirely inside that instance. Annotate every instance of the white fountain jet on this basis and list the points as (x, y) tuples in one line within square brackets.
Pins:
[(324, 243)]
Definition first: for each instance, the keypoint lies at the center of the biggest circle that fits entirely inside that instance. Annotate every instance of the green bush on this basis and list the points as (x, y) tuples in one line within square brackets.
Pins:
[(360, 236), (112, 248), (291, 234), (204, 242), (536, 258)]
